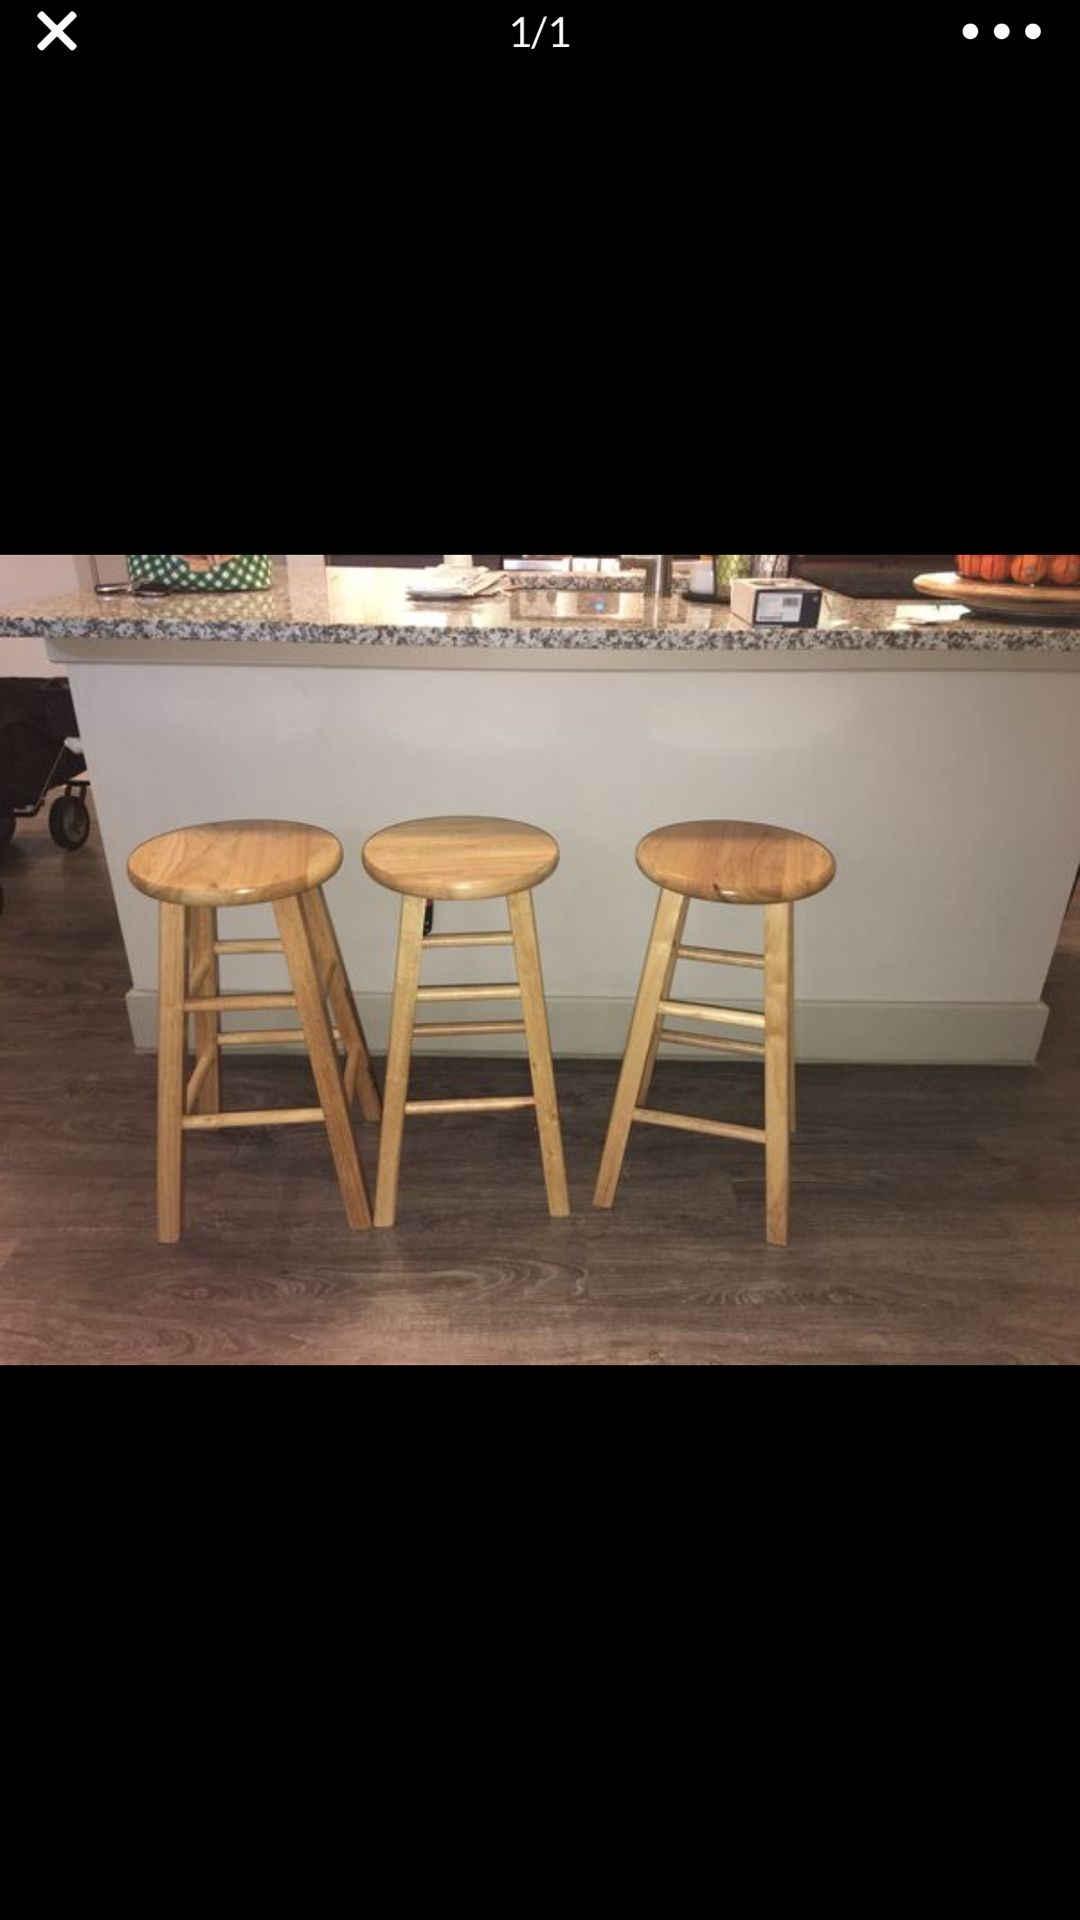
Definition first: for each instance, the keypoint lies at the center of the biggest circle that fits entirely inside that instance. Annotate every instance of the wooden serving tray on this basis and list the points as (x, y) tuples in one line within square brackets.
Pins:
[(1024, 603)]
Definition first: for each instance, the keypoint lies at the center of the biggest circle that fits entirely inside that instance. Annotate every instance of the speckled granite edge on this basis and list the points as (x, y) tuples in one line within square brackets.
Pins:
[(622, 638)]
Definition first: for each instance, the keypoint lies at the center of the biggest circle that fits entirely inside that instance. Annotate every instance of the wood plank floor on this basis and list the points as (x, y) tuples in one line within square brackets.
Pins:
[(935, 1210)]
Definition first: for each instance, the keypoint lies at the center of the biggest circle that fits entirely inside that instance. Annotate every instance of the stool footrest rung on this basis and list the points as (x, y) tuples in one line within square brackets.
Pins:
[(446, 1029), (719, 1016), (274, 1117), (756, 1048), (468, 940), (686, 1123), (242, 1003), (503, 991), (247, 946), (468, 1106), (271, 1037), (717, 957)]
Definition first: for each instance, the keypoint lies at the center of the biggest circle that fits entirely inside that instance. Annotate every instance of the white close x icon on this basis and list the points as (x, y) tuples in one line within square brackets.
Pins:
[(56, 32)]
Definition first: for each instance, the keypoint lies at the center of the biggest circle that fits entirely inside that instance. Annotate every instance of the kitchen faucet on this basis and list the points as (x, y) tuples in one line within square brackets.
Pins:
[(659, 568)]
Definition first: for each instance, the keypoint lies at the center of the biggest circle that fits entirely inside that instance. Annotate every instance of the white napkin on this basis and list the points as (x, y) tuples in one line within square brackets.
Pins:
[(453, 583)]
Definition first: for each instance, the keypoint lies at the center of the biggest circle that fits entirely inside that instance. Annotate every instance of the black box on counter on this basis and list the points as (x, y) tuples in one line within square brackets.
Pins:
[(776, 603)]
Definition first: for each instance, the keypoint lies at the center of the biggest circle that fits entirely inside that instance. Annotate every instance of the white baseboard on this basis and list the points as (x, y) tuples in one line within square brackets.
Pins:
[(889, 1033)]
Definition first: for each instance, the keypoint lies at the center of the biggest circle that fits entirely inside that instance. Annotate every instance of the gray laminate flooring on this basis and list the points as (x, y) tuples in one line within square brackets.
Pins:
[(936, 1211)]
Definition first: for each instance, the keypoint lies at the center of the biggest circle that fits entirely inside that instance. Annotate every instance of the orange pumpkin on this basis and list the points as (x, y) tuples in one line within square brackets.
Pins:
[(1027, 569), (983, 566)]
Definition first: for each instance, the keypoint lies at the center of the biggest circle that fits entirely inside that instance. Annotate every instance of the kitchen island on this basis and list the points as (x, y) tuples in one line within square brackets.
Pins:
[(934, 752)]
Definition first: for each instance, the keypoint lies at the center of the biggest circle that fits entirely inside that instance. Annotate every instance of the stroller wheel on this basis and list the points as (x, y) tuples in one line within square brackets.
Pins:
[(7, 828), (69, 822)]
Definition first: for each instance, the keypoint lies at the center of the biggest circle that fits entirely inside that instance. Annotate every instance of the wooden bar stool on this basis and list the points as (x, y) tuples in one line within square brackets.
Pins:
[(242, 863), (465, 858), (743, 864)]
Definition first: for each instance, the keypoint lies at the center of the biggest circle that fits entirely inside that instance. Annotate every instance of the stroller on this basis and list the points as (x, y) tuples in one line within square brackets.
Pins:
[(39, 752)]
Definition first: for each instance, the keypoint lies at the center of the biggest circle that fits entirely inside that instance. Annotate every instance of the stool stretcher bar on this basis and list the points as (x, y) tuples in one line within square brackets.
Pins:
[(194, 1085), (469, 940), (510, 992), (247, 946), (721, 1016), (684, 1123), (446, 1029), (756, 1048), (713, 956), (468, 1106), (274, 1117), (242, 1003), (271, 1037)]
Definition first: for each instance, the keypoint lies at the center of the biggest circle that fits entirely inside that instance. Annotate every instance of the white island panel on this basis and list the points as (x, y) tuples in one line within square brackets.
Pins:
[(952, 802)]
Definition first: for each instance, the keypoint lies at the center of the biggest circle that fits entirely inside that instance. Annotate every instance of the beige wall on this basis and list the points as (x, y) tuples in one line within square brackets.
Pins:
[(34, 576)]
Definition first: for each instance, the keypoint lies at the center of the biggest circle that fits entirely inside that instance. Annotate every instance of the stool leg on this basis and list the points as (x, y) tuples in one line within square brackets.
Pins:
[(203, 978), (359, 1075), (669, 981), (538, 1037), (172, 1035), (311, 1006), (791, 1018), (399, 1057), (669, 915), (779, 921)]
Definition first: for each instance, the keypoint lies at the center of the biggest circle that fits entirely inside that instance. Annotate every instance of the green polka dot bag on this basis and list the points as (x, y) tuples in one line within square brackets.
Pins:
[(202, 572), (729, 567)]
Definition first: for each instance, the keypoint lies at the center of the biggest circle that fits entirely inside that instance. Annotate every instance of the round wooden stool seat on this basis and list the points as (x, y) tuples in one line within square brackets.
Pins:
[(738, 861), (461, 857), (235, 863)]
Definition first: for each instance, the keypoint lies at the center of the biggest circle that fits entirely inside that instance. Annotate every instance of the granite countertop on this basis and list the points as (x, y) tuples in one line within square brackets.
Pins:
[(369, 608)]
